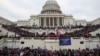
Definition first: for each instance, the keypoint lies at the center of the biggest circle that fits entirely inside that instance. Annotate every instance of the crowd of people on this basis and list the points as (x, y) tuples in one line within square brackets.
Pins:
[(17, 30), (44, 52), (84, 32), (47, 27)]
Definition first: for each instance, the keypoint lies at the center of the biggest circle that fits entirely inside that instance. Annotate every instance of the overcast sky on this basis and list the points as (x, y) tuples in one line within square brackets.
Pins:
[(22, 9)]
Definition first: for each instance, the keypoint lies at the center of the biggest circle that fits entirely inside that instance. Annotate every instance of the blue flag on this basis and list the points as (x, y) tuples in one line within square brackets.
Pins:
[(65, 40)]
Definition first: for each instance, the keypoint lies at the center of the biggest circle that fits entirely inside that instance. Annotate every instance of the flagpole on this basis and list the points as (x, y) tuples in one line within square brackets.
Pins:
[(56, 29)]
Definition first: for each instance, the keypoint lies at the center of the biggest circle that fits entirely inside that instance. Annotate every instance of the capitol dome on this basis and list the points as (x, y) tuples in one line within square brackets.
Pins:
[(51, 2), (51, 7)]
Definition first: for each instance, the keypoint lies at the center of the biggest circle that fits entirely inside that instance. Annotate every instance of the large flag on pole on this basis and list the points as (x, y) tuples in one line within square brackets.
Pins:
[(57, 31), (47, 32)]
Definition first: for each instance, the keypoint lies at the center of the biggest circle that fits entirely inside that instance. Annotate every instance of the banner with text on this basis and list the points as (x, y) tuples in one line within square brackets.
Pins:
[(64, 40)]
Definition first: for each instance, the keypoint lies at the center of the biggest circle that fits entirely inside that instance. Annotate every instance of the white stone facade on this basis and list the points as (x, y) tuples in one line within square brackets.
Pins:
[(52, 44), (95, 22), (34, 20), (81, 22), (23, 23), (5, 21)]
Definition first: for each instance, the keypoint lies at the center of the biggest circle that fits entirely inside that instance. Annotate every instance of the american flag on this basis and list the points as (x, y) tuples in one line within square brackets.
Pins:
[(57, 31), (47, 32)]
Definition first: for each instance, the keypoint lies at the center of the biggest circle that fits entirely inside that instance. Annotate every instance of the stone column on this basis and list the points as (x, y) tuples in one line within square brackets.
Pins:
[(53, 21), (48, 21), (39, 21), (62, 21), (44, 21)]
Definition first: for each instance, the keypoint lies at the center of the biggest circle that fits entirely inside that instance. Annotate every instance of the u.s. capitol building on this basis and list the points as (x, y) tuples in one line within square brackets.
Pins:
[(51, 16), (44, 25)]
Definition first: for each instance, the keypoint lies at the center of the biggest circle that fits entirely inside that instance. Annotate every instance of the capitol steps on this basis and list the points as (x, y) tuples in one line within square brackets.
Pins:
[(95, 32), (17, 31)]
